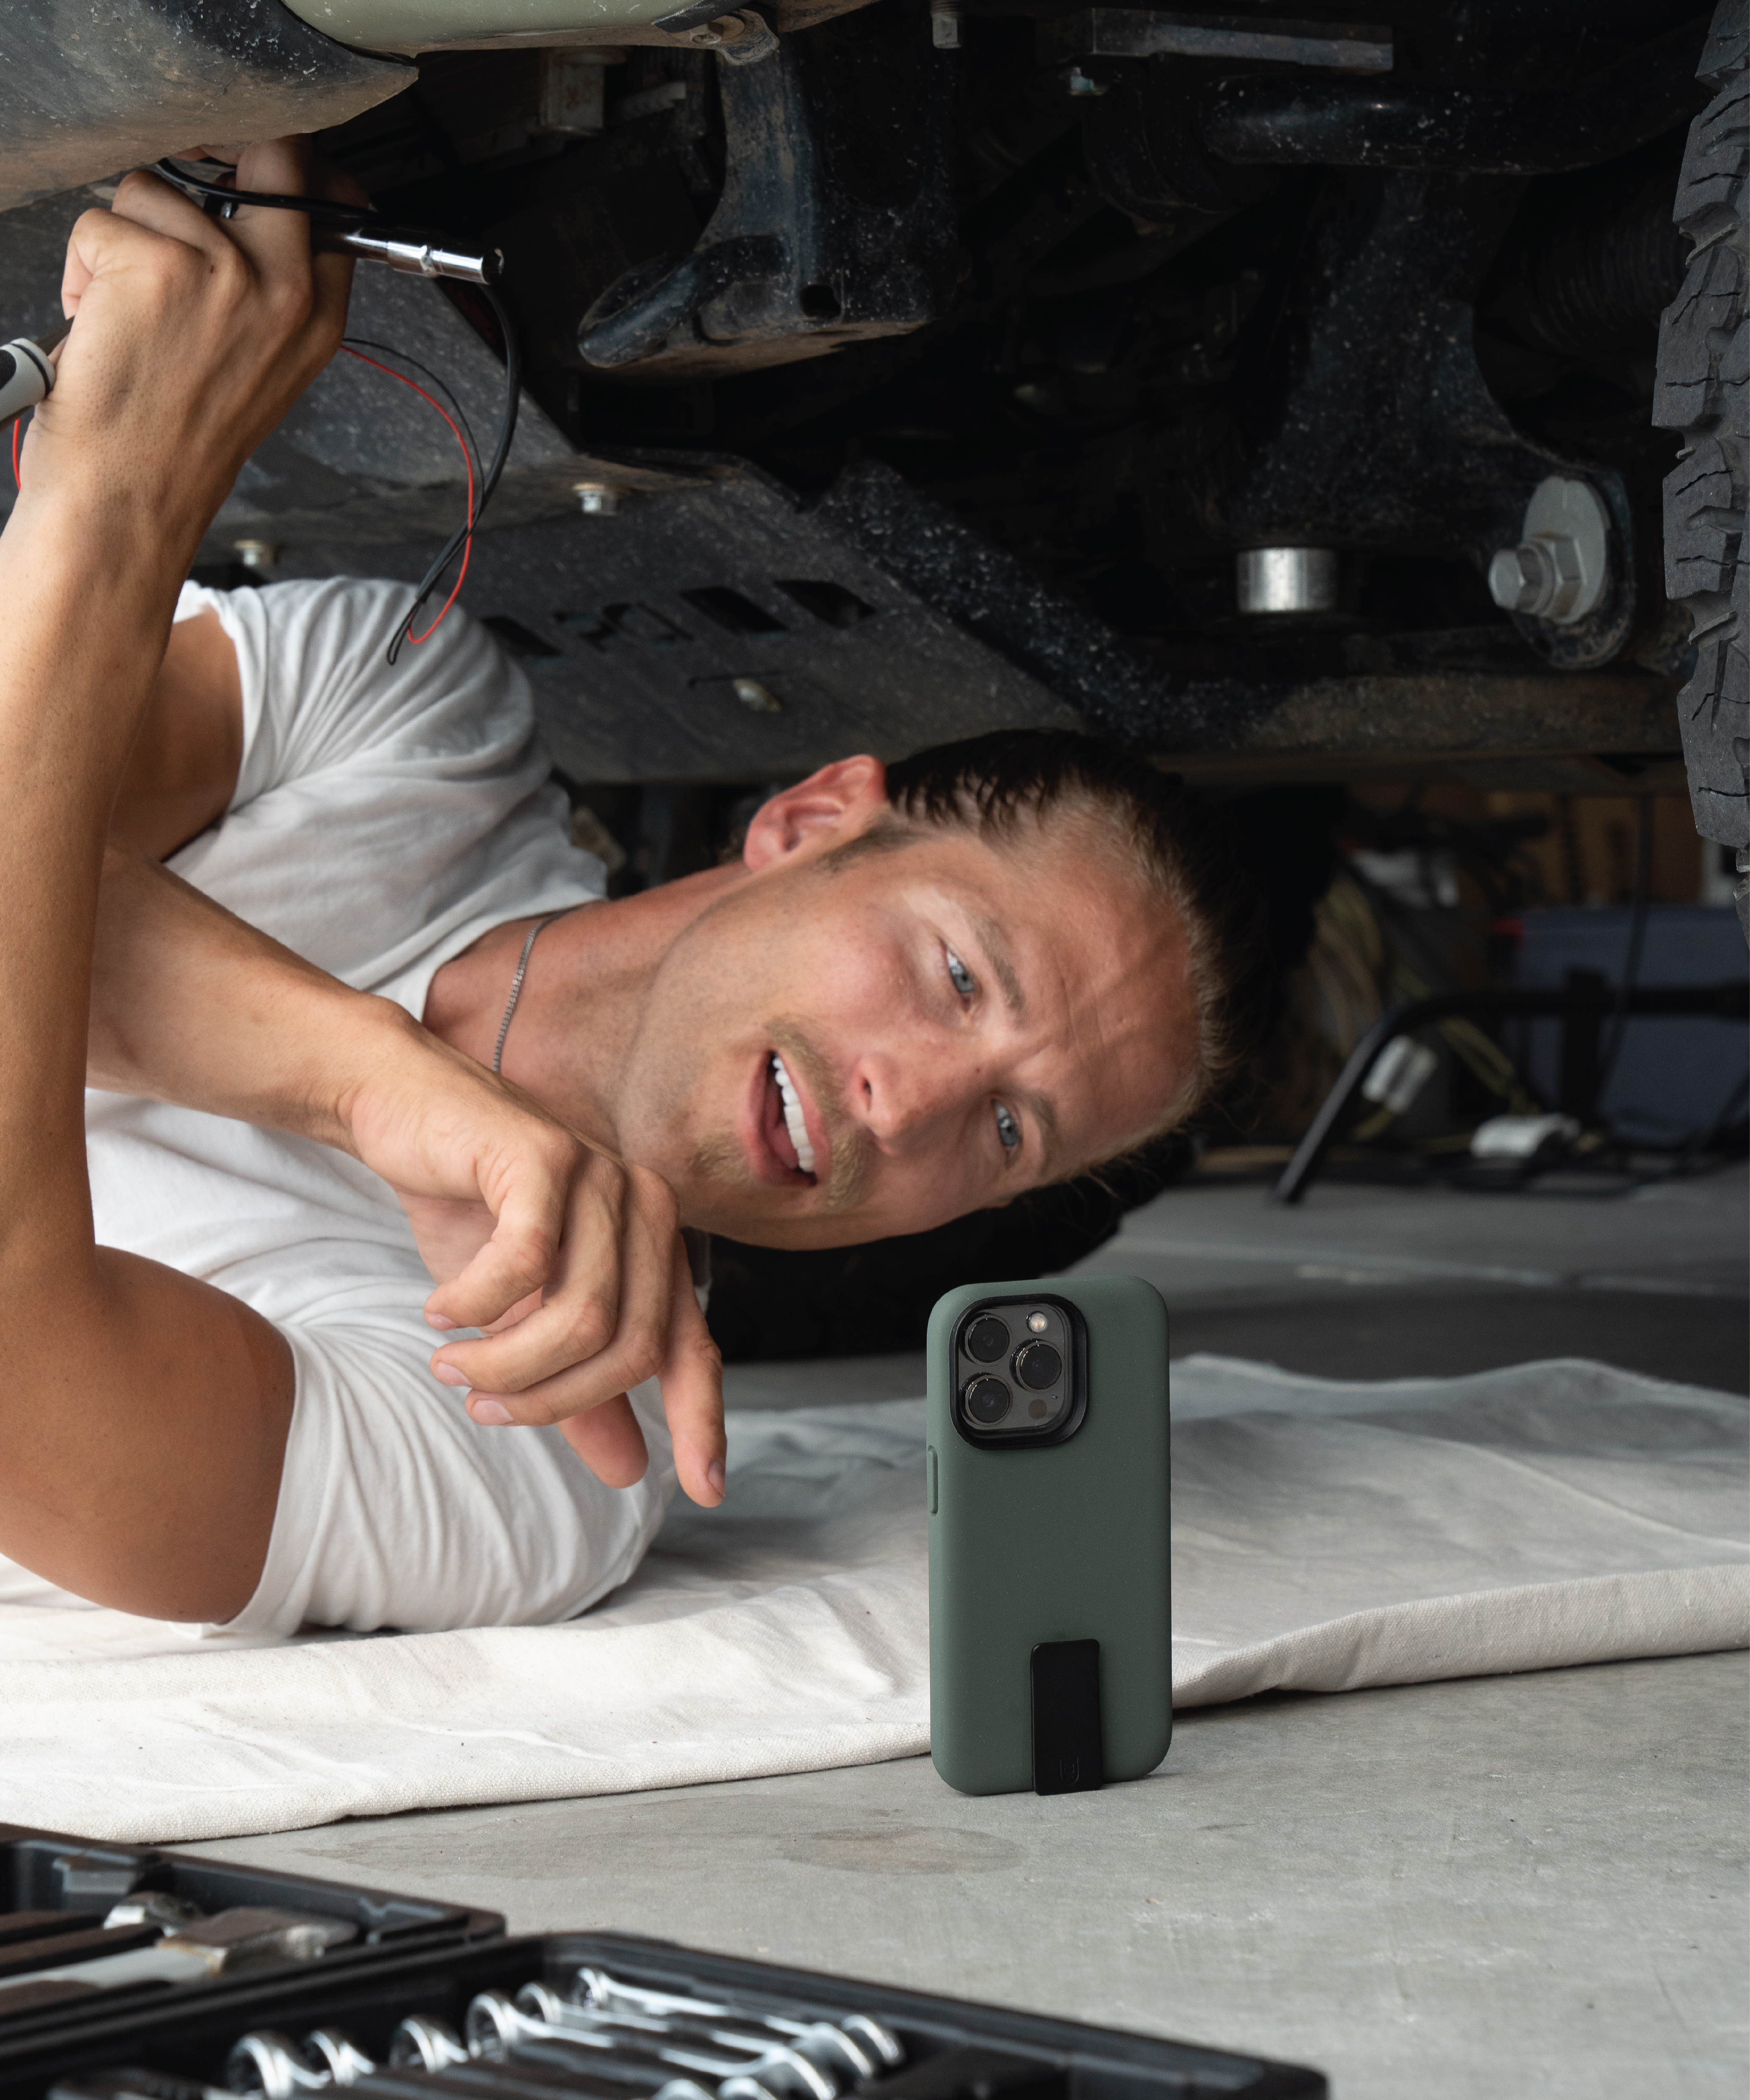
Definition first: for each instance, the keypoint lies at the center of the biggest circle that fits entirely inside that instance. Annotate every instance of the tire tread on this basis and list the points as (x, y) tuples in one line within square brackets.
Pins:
[(1703, 389)]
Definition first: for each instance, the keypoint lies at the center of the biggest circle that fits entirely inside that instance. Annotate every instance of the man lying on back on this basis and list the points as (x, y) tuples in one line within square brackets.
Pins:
[(357, 1016)]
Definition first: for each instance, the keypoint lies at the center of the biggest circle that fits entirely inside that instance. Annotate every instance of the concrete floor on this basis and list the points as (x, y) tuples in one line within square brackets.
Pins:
[(1492, 1887)]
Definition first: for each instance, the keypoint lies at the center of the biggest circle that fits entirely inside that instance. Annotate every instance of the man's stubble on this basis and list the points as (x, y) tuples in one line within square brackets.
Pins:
[(717, 1161)]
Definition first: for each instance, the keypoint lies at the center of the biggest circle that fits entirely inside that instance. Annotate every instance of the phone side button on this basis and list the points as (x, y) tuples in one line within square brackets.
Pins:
[(929, 1474)]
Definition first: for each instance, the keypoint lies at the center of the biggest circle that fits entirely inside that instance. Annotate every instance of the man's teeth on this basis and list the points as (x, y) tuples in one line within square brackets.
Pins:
[(793, 1122)]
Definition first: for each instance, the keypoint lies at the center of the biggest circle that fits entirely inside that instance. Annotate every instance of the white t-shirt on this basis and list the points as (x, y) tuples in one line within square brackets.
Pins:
[(384, 819)]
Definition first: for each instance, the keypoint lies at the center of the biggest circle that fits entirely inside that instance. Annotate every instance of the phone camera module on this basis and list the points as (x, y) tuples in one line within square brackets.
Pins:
[(986, 1339), (1038, 1366), (987, 1399)]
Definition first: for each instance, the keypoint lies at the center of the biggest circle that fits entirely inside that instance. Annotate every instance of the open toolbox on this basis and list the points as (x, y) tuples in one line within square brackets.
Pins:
[(132, 1973)]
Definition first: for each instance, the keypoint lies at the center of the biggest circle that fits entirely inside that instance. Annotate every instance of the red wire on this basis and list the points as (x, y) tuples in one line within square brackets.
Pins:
[(467, 461)]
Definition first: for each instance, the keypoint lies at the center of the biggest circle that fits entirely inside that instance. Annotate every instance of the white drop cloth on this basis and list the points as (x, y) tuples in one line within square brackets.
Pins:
[(1326, 1536)]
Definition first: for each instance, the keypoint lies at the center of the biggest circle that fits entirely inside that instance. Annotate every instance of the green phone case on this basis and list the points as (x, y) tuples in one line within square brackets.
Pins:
[(1061, 1542)]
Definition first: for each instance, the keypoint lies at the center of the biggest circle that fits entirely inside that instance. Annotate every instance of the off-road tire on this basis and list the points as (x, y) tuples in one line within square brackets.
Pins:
[(1703, 390)]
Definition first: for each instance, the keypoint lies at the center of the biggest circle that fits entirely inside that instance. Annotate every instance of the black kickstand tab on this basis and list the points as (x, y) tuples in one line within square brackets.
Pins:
[(1069, 1750)]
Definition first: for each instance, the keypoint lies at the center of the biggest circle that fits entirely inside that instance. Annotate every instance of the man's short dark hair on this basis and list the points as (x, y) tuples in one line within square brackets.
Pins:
[(1181, 847)]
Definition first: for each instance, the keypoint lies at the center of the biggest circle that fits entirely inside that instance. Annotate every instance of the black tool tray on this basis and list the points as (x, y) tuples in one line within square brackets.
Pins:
[(69, 1885), (420, 1957)]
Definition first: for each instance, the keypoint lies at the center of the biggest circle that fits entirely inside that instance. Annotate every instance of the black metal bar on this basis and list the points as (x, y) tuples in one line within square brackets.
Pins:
[(1259, 119), (1581, 1082), (1727, 1001)]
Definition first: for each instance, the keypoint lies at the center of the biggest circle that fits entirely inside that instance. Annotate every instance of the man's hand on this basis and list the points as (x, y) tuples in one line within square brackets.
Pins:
[(572, 1263), (193, 337)]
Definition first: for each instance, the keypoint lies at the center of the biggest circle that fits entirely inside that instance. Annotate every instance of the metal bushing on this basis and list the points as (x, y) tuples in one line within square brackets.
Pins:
[(1287, 579)]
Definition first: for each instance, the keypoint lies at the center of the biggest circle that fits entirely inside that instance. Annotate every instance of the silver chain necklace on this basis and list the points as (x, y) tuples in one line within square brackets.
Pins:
[(516, 986)]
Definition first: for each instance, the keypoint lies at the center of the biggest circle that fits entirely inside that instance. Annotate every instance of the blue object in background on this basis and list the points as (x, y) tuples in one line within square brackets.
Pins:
[(1674, 1076)]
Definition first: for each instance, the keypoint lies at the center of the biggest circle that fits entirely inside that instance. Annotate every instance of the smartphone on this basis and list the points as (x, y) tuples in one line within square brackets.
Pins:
[(1051, 1603)]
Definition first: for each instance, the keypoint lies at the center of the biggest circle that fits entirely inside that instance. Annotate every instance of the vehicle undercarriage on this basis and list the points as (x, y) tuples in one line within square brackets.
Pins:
[(1295, 400)]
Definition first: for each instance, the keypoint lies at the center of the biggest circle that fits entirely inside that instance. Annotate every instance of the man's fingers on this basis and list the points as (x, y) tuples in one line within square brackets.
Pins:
[(606, 1437), (609, 1442), (662, 1334), (144, 199), (605, 1313), (315, 176), (590, 1335), (277, 241), (107, 240), (519, 1258), (692, 1382), (560, 1209)]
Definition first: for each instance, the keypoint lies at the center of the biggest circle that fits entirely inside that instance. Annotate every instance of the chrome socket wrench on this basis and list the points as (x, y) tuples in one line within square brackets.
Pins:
[(426, 2055), (501, 2029), (820, 2062), (270, 2064), (878, 2048)]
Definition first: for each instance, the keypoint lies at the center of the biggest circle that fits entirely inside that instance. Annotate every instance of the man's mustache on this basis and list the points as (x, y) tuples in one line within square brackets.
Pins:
[(851, 1157)]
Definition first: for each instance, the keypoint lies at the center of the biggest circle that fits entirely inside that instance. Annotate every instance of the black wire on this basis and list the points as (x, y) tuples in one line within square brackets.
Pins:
[(330, 209), (1631, 968), (322, 208), (507, 430), (389, 350)]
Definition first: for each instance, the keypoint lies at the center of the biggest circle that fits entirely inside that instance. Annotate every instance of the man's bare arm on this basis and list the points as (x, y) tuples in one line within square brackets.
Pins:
[(183, 771), (143, 1414), (191, 1004)]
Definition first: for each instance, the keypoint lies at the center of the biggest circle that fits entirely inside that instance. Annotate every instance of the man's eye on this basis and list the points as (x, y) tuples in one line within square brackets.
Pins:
[(958, 975), (1008, 1129)]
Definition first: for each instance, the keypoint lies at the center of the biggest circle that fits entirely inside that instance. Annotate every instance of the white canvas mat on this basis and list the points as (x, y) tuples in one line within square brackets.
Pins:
[(1326, 1536)]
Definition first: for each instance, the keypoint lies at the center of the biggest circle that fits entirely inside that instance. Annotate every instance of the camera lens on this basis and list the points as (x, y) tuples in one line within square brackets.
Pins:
[(986, 1339), (1038, 1366), (988, 1399)]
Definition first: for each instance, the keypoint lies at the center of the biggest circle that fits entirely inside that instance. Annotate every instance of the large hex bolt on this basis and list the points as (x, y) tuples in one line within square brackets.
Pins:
[(1561, 567)]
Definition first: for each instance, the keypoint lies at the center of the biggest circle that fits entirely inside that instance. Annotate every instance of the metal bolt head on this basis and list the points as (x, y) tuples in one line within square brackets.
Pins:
[(596, 499), (1561, 568), (752, 694), (1521, 579)]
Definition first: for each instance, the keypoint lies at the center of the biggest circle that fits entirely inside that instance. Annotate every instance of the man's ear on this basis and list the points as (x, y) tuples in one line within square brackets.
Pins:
[(839, 801)]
